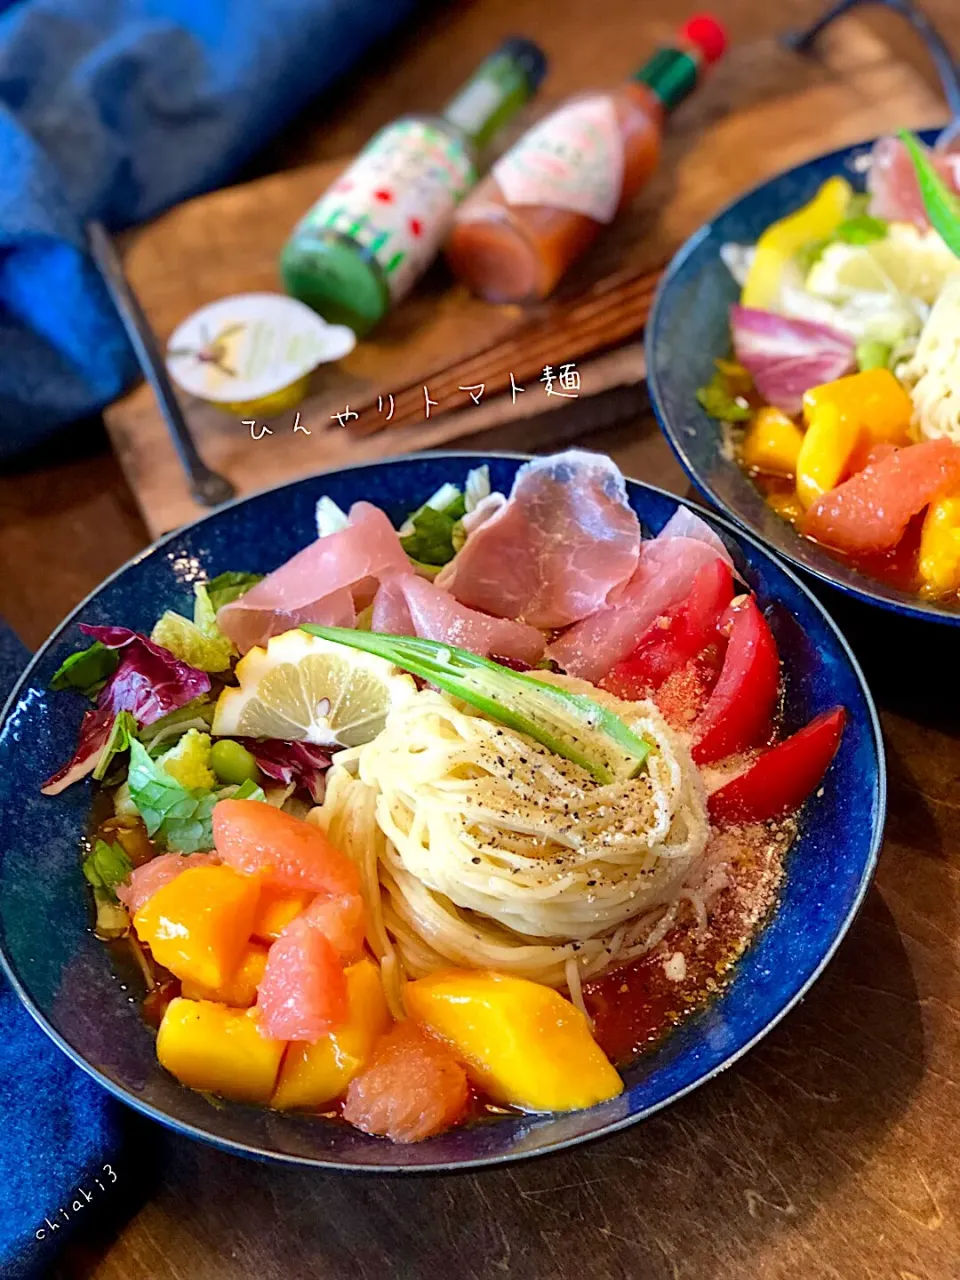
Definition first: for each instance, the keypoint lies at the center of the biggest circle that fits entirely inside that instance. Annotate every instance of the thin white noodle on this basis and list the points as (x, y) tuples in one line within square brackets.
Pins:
[(479, 848)]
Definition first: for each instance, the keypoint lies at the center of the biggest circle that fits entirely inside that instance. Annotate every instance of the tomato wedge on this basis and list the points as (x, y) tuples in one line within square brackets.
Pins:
[(676, 637), (780, 780), (739, 711)]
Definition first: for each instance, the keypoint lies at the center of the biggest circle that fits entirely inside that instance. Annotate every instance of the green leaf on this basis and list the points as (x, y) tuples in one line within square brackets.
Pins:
[(124, 728), (197, 714), (717, 401), (208, 650), (863, 229), (431, 541), (87, 671), (106, 867), (873, 354), (229, 586), (808, 255), (180, 819), (941, 204), (570, 725), (249, 790)]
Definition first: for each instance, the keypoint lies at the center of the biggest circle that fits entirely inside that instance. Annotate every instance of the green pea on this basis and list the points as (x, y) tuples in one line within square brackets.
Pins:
[(232, 763), (872, 354)]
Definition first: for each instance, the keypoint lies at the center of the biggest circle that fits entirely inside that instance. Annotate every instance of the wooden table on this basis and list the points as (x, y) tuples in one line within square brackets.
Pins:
[(831, 1151)]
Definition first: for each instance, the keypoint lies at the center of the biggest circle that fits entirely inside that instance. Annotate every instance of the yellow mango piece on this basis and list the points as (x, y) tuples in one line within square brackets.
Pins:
[(781, 240), (314, 1074), (217, 1049), (825, 453), (276, 908), (198, 925), (240, 989), (939, 560), (521, 1042), (771, 443), (874, 400)]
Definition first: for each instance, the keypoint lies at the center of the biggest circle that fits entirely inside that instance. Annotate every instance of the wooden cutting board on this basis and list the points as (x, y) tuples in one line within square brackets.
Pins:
[(763, 110)]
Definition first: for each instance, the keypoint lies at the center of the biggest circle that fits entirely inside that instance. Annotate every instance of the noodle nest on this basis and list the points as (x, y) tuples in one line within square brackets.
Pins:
[(481, 849)]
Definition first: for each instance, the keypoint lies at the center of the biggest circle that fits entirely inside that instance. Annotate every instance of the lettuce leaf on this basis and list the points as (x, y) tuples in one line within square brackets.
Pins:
[(87, 671), (229, 586), (124, 728), (106, 866), (431, 540), (199, 642)]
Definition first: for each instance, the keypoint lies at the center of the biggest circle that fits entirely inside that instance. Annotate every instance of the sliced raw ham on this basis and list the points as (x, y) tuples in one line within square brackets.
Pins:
[(685, 523), (664, 576), (892, 182), (407, 605), (553, 554), (870, 511), (786, 357), (145, 880), (325, 582)]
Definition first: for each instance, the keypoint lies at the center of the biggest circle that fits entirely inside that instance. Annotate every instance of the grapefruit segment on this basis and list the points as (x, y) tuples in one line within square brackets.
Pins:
[(259, 840), (303, 994), (412, 1088)]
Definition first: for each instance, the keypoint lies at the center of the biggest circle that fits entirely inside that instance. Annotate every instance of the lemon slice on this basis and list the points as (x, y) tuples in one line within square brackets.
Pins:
[(907, 261), (306, 689)]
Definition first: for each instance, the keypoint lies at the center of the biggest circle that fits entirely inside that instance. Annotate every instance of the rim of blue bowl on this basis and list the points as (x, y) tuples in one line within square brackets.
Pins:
[(734, 531), (918, 608)]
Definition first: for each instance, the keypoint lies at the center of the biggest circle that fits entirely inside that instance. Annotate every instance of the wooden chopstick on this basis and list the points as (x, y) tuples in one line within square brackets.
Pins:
[(616, 308)]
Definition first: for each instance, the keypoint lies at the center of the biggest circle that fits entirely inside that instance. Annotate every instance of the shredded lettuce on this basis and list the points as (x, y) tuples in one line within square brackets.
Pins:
[(229, 586), (197, 714), (87, 671), (200, 642), (430, 540), (476, 487), (330, 517), (123, 729)]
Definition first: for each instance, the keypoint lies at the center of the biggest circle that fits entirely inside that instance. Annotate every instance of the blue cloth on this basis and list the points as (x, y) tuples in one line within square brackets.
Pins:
[(60, 1135), (115, 109)]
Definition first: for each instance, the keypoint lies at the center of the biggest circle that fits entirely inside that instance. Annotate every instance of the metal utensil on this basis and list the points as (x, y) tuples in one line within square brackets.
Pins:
[(947, 67), (208, 487)]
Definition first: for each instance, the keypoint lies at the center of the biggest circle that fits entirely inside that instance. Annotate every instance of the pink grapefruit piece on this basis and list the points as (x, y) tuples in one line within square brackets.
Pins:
[(303, 992)]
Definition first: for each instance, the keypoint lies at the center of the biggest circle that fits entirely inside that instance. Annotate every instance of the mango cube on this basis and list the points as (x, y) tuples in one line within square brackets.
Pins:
[(825, 453), (276, 909), (314, 1074), (873, 400), (219, 1050), (521, 1042), (939, 561), (198, 925), (240, 989), (771, 443)]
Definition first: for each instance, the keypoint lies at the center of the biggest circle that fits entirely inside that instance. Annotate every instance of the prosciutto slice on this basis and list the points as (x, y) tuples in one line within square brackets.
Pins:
[(565, 539), (685, 523), (892, 182), (663, 577), (324, 583), (407, 605)]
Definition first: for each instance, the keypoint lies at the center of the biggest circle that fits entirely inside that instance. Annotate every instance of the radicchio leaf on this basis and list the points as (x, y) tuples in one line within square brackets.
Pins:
[(300, 763), (149, 682), (786, 357)]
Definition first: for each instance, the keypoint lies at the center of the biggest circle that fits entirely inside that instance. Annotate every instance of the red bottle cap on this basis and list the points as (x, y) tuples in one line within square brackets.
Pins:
[(707, 34)]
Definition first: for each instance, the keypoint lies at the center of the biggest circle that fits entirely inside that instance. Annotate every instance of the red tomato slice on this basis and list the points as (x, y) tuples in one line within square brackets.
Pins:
[(871, 511), (676, 637), (740, 709), (781, 779)]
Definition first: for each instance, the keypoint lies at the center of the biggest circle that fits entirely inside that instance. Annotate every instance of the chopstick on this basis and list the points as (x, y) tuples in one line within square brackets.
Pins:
[(208, 487), (616, 308)]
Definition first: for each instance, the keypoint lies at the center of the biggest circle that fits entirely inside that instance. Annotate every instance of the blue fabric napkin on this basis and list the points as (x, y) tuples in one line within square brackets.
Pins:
[(61, 1133), (115, 109)]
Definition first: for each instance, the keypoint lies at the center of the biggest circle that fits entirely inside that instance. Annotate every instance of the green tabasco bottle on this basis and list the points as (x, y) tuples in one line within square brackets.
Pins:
[(361, 247)]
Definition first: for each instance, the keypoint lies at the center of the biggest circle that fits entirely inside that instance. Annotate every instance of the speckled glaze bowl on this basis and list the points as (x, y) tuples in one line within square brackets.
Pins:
[(689, 328), (71, 984)]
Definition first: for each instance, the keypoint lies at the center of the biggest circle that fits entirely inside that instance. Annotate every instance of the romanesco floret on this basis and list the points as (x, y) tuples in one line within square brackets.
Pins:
[(189, 761), (933, 374)]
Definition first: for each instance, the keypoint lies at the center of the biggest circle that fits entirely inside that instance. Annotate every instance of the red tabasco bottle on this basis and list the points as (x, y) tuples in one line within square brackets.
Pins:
[(551, 194)]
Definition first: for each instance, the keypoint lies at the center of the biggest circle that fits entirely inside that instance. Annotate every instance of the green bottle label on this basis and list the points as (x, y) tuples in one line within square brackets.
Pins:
[(397, 198)]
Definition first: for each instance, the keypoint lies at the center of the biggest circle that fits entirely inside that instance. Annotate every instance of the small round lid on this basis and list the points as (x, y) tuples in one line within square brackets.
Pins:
[(250, 345), (709, 36)]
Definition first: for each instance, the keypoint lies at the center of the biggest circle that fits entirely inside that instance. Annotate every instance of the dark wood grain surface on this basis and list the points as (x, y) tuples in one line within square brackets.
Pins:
[(830, 1151)]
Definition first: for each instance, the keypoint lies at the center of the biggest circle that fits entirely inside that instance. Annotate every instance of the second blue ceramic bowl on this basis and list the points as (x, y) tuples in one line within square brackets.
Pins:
[(71, 984), (689, 328)]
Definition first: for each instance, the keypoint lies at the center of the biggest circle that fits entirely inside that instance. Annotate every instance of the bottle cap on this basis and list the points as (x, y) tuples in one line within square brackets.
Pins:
[(707, 34), (529, 57)]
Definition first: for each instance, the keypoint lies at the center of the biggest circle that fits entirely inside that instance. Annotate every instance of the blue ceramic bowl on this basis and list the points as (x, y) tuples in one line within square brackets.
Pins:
[(689, 328), (73, 987)]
